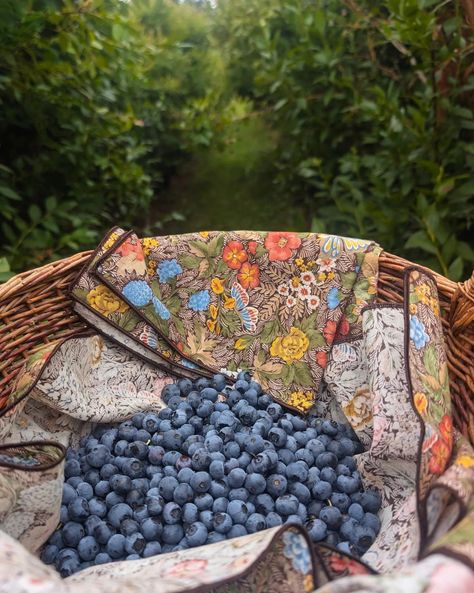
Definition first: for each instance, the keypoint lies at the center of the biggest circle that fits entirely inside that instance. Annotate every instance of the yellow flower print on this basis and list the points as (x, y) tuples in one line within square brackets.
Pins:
[(308, 583), (211, 325), (435, 306), (422, 291), (465, 461), (229, 302), (204, 234), (304, 268), (331, 276), (321, 277), (103, 300), (412, 308), (302, 400), (217, 286), (295, 282), (291, 347), (151, 267), (240, 344), (110, 241), (148, 245), (167, 353), (421, 402), (299, 262), (213, 310)]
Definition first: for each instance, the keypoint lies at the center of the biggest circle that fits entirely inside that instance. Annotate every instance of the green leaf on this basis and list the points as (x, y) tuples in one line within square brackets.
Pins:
[(316, 338), (348, 279), (8, 192), (287, 374), (430, 360), (34, 213), (302, 374), (455, 269), (420, 240), (190, 261)]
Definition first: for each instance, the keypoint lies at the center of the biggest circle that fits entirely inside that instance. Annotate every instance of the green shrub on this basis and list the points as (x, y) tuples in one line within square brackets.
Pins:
[(368, 99)]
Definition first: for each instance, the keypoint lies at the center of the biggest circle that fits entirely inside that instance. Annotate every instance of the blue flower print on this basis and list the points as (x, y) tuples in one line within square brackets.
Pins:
[(188, 364), (333, 298), (138, 293), (168, 269), (199, 301), (418, 333), (296, 548), (160, 309)]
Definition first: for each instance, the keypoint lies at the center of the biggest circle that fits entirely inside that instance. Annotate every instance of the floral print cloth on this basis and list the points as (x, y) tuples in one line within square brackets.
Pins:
[(382, 368), (272, 303)]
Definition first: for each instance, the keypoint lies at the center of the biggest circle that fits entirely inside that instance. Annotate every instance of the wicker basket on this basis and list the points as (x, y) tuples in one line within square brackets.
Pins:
[(35, 309)]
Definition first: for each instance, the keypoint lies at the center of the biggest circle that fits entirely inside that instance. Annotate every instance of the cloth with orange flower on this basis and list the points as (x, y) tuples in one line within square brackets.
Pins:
[(299, 311)]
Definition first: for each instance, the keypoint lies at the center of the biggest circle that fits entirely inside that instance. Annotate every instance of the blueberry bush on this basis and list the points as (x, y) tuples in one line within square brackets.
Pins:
[(357, 118)]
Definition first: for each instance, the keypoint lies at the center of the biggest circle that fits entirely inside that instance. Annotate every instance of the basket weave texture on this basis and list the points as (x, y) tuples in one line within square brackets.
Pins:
[(35, 309)]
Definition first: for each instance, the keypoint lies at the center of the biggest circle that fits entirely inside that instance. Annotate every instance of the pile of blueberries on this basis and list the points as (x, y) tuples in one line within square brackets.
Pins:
[(218, 462)]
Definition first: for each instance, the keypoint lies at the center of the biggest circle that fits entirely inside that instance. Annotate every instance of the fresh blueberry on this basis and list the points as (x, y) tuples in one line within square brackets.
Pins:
[(171, 513), (255, 522)]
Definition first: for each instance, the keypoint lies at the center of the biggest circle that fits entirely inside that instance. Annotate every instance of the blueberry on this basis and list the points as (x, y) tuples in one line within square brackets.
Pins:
[(154, 505), (171, 513), (135, 543), (306, 456), (255, 522), (236, 477), (254, 444), (244, 459), (151, 422), (265, 461), (220, 505), (167, 487), (219, 381), (342, 470), (322, 490), (297, 472), (317, 530), (88, 548), (276, 485), (347, 484), (98, 456), (314, 508), (186, 430), (301, 492), (264, 504), (135, 498), (129, 526), (183, 493), (190, 512), (141, 484), (341, 501), (120, 484), (116, 546), (69, 494), (264, 401), (141, 513), (78, 509), (298, 422), (369, 500), (200, 482), (185, 386), (255, 483), (222, 522), (215, 537), (218, 488), (68, 567), (277, 436), (207, 517), (169, 471), (238, 531), (91, 523), (347, 529), (273, 520), (349, 462), (239, 494), (326, 459), (247, 415), (72, 533), (102, 558), (372, 521), (119, 513), (107, 471), (169, 391), (238, 511), (151, 549), (97, 507), (286, 505), (72, 468), (231, 450), (328, 474), (356, 511), (172, 534), (201, 460), (216, 469), (204, 501), (363, 538), (172, 439), (291, 444), (345, 547), (331, 516)]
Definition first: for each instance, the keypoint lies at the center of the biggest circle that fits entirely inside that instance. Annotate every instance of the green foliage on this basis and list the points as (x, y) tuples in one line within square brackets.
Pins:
[(181, 115), (94, 112), (375, 140)]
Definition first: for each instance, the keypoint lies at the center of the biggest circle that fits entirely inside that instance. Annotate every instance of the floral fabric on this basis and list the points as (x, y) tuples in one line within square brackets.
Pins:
[(272, 303)]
